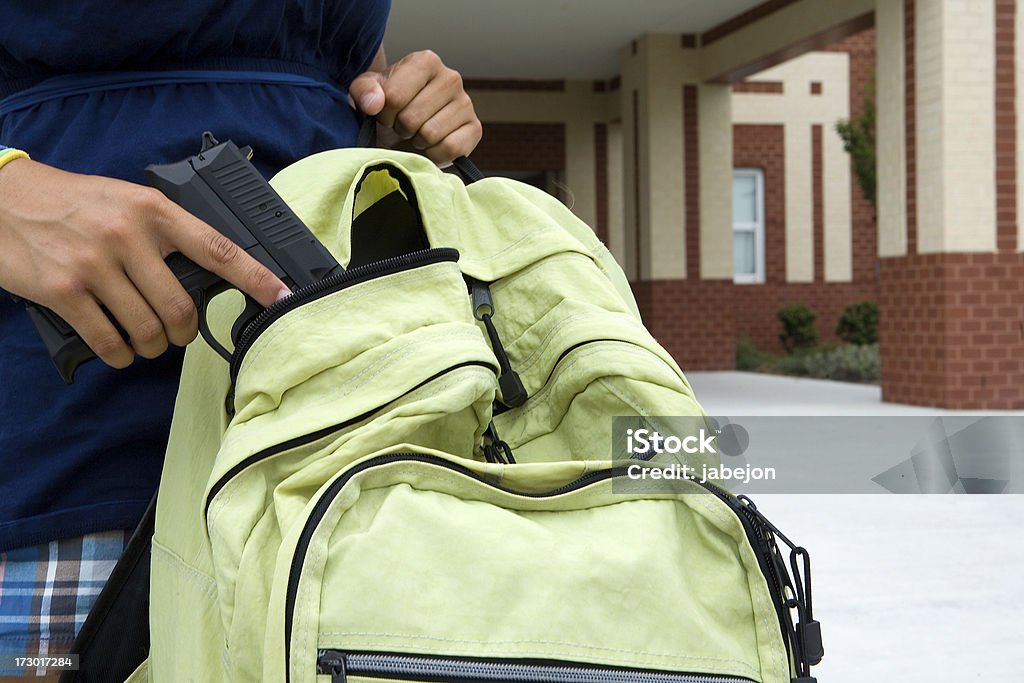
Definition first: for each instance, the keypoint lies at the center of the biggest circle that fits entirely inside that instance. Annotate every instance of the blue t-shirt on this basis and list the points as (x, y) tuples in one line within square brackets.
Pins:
[(87, 457)]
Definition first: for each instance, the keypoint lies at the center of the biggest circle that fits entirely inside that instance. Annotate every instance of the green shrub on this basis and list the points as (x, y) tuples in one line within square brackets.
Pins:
[(792, 364), (798, 331), (859, 323), (748, 356), (858, 137), (846, 363)]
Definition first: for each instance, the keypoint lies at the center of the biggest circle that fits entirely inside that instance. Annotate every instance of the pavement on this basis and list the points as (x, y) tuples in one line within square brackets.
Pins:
[(908, 588), (753, 393)]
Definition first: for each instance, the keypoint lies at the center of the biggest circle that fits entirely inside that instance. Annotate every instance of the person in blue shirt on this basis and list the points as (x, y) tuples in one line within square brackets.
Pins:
[(93, 91)]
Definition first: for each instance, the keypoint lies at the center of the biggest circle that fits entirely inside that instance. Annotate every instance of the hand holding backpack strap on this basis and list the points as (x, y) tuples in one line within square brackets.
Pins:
[(367, 137)]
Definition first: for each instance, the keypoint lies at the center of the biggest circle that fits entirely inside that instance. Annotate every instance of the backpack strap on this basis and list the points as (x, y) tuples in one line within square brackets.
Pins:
[(466, 169), (114, 639)]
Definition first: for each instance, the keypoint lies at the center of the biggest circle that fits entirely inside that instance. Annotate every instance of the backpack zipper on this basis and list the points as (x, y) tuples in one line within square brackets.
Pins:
[(513, 393), (339, 665), (501, 408), (320, 289), (751, 520), (319, 434)]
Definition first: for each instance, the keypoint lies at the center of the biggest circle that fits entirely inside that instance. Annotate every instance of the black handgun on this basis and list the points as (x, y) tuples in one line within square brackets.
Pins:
[(221, 187)]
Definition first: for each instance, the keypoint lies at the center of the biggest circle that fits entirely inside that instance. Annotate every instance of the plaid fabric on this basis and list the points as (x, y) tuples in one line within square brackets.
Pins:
[(46, 591)]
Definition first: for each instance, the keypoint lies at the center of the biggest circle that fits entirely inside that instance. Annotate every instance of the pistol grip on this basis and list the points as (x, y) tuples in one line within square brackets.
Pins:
[(66, 348)]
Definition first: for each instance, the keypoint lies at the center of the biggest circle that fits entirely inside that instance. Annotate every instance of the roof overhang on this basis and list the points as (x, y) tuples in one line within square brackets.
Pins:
[(584, 39)]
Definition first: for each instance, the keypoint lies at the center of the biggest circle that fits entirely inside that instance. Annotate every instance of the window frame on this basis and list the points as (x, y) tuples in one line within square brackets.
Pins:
[(756, 227)]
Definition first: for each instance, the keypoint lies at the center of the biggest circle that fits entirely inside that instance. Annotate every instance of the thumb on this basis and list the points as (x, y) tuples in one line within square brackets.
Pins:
[(367, 92)]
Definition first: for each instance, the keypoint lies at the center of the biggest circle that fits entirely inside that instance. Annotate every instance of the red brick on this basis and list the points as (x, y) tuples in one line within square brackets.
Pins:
[(932, 347), (521, 147)]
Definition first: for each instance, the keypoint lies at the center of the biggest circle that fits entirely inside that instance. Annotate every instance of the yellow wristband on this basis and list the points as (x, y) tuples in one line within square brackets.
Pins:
[(7, 155)]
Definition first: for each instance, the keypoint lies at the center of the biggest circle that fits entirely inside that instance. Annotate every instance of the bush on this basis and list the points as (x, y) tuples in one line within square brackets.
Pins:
[(748, 356), (859, 323), (858, 137), (792, 364), (798, 331), (847, 363)]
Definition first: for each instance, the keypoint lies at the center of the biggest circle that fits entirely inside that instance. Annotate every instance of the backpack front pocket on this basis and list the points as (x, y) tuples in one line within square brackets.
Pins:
[(431, 562), (386, 358)]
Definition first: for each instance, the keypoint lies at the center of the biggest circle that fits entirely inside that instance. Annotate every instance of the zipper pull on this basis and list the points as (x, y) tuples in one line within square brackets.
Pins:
[(513, 393), (808, 629), (497, 451), (332, 662), (810, 634), (809, 647)]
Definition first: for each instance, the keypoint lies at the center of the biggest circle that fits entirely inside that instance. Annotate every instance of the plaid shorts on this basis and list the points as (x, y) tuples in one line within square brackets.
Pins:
[(47, 590)]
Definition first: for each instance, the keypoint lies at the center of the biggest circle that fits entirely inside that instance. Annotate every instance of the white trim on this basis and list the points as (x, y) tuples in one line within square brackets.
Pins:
[(757, 227)]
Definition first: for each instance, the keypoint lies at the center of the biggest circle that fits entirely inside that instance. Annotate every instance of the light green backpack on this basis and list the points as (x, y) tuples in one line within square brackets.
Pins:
[(405, 473)]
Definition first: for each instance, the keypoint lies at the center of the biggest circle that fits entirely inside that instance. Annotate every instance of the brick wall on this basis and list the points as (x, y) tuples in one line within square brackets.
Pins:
[(691, 173), (763, 147), (755, 306), (818, 203), (763, 87), (694, 320), (1006, 125), (861, 48), (951, 330), (951, 324), (521, 147), (910, 120), (678, 311)]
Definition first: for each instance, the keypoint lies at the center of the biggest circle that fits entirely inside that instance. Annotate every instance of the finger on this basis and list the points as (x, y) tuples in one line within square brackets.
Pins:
[(404, 80), (367, 92), (457, 144), (439, 94), (443, 123), (145, 330), (97, 331), (165, 295), (181, 231)]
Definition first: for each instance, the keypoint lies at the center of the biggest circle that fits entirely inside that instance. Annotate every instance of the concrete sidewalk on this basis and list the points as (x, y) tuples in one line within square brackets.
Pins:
[(752, 393), (908, 588)]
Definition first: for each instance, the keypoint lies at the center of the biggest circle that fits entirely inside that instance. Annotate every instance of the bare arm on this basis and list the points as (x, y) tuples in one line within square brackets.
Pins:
[(75, 242)]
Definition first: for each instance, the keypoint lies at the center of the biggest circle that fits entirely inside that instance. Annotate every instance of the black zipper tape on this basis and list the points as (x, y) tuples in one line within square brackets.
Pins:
[(421, 668), (322, 288), (321, 433)]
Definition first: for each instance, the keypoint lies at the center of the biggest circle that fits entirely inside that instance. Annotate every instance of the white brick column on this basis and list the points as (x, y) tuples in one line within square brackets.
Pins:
[(652, 241), (653, 176), (714, 104), (890, 129), (955, 124)]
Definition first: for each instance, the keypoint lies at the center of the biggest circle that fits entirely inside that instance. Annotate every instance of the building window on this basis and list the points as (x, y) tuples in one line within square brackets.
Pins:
[(748, 225)]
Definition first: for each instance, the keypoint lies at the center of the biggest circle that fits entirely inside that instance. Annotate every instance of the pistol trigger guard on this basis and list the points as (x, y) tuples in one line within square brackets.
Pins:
[(249, 313), (207, 333)]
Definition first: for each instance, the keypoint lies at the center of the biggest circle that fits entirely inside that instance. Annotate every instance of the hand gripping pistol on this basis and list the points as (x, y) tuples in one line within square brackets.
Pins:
[(222, 188)]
